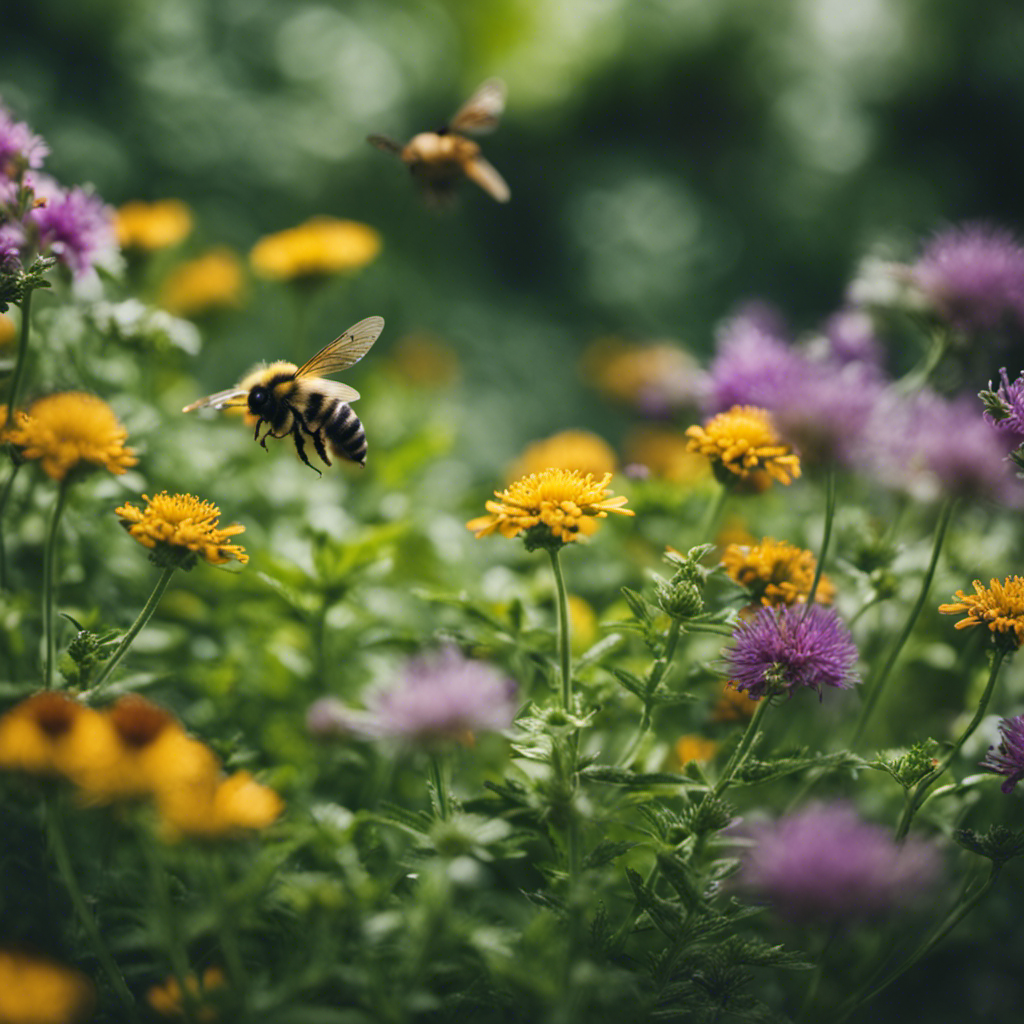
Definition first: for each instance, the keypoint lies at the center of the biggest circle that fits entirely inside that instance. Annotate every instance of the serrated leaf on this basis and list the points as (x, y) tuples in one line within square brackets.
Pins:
[(637, 605), (615, 776), (631, 682), (606, 851), (599, 650)]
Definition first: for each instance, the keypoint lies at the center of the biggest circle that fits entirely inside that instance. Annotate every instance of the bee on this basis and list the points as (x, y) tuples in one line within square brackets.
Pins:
[(297, 400), (438, 160)]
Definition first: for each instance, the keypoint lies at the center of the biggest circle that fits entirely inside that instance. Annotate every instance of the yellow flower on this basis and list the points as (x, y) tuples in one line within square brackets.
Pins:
[(181, 525), (211, 281), (571, 449), (657, 377), (166, 999), (693, 747), (48, 734), (1000, 606), (732, 705), (423, 359), (8, 330), (217, 808), (667, 455), (742, 441), (583, 624), (70, 429), (776, 571), (152, 226), (563, 503), (320, 247), (36, 990)]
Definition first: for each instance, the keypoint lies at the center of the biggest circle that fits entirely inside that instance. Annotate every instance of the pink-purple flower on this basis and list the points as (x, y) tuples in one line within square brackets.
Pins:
[(20, 147), (824, 864), (73, 224), (781, 649), (438, 697), (1008, 757), (1010, 397)]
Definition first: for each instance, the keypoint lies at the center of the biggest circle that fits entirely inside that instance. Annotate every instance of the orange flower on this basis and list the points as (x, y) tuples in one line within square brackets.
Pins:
[(776, 572), (732, 705), (742, 441), (1000, 606), (217, 809), (36, 990), (49, 734), (167, 999), (693, 747)]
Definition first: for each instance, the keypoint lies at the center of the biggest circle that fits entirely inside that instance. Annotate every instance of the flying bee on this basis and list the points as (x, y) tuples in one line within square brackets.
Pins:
[(297, 400), (438, 160)]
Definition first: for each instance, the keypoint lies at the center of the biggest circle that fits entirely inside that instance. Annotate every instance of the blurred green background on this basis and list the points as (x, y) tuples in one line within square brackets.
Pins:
[(668, 159)]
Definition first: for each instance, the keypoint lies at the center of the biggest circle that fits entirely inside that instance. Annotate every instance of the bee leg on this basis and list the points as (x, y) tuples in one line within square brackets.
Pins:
[(301, 448), (256, 436), (318, 444)]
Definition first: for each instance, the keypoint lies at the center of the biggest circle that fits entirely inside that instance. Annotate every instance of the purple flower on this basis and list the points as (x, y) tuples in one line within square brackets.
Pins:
[(752, 364), (73, 225), (1008, 758), (974, 276), (784, 648), (1011, 396), (823, 863), (439, 697), (850, 337), (20, 148)]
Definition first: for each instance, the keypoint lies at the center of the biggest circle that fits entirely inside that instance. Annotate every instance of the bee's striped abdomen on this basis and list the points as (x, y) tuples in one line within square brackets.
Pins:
[(345, 433)]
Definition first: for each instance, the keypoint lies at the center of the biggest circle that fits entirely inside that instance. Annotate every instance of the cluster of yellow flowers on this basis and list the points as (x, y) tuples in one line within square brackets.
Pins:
[(134, 750)]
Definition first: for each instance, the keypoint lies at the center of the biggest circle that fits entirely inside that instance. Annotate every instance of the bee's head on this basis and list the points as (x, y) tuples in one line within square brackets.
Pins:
[(259, 396)]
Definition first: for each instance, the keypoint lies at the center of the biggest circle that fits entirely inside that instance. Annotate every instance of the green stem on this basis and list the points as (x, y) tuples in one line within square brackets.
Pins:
[(658, 670), (563, 631), (144, 616), (916, 796), (739, 755), (5, 496), (710, 627), (226, 926), (876, 690), (916, 378), (712, 514), (18, 378), (830, 512), (437, 777), (62, 856), (50, 584)]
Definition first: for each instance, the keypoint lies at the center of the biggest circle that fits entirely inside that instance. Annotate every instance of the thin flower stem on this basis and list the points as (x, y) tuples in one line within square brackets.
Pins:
[(18, 377), (875, 692), (712, 514), (5, 496), (739, 755), (563, 631), (830, 513), (437, 777), (144, 616), (62, 856), (50, 585), (916, 796), (658, 670)]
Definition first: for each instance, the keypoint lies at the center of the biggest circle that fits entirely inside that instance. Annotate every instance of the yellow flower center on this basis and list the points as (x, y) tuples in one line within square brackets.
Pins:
[(744, 440)]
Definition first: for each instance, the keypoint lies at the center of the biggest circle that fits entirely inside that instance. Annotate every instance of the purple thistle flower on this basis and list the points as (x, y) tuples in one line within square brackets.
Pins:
[(1008, 758), (850, 338), (974, 276), (823, 863), (74, 225), (20, 147), (784, 648), (439, 697), (1011, 395)]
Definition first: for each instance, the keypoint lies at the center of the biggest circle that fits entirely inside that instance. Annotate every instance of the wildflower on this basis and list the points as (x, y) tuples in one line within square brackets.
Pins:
[(555, 506), (666, 455), (656, 379), (783, 648), (319, 248), (166, 999), (1004, 407), (1008, 758), (179, 527), (1000, 606), (48, 733), (20, 147), (211, 281), (439, 698), (211, 808), (693, 747), (70, 430), (732, 705), (776, 572), (973, 275), (850, 338), (823, 863), (74, 225), (742, 441), (149, 226), (571, 449), (37, 990)]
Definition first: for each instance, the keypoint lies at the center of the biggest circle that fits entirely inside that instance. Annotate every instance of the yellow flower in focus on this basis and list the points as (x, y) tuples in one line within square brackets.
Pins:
[(319, 248), (217, 809), (69, 430), (742, 441), (211, 281), (563, 503), (8, 331), (166, 999), (48, 734), (37, 990), (667, 455), (570, 449), (693, 747), (776, 572), (1000, 606), (180, 525), (424, 359), (732, 705), (150, 226)]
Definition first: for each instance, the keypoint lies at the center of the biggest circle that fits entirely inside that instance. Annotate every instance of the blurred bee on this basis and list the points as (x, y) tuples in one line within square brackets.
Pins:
[(297, 400), (438, 160)]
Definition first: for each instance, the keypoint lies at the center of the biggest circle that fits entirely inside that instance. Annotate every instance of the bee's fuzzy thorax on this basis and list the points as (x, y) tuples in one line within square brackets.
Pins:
[(264, 372)]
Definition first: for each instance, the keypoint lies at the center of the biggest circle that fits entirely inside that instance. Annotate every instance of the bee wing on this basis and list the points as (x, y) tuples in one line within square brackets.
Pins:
[(484, 174), (221, 400), (481, 112), (386, 143), (345, 350), (332, 389)]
